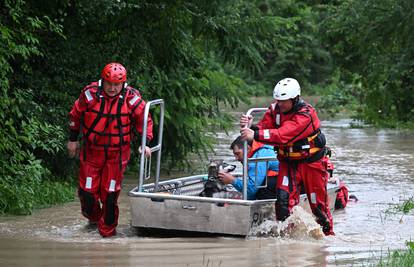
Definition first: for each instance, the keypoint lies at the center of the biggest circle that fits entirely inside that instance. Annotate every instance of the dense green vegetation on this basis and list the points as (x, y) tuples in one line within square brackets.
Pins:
[(399, 258), (371, 44), (31, 145), (194, 54)]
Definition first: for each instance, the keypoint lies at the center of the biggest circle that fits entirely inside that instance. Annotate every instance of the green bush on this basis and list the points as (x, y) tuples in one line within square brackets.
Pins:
[(27, 140), (380, 51), (404, 258)]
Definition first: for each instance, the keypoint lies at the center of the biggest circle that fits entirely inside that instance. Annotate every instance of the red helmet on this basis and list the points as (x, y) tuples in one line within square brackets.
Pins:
[(114, 73)]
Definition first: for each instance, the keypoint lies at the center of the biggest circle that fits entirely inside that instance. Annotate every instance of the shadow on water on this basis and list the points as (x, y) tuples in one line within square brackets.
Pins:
[(164, 233)]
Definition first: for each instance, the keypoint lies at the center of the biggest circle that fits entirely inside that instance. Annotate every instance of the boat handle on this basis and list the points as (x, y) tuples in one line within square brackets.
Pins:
[(189, 207)]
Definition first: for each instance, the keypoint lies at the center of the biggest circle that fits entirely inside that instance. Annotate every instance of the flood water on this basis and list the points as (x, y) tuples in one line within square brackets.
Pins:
[(375, 164)]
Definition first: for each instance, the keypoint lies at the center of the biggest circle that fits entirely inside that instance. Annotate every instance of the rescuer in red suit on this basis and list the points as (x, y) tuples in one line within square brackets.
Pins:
[(106, 112), (292, 126)]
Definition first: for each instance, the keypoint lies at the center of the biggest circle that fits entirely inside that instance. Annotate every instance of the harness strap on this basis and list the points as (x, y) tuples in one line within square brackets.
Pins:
[(139, 103), (118, 116), (294, 149), (98, 117), (109, 115), (309, 138), (312, 150), (317, 156), (107, 134)]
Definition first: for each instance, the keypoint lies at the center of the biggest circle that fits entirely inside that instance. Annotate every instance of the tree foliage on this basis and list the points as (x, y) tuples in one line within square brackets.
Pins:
[(26, 138), (372, 40), (190, 53)]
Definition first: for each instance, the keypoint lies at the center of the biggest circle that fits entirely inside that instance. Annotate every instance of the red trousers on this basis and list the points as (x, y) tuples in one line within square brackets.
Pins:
[(313, 177), (100, 180)]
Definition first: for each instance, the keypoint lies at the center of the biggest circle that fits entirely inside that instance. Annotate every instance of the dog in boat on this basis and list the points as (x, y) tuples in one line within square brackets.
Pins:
[(213, 185)]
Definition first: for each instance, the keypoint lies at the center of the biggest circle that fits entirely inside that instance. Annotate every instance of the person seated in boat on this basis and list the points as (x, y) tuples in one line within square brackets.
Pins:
[(254, 150)]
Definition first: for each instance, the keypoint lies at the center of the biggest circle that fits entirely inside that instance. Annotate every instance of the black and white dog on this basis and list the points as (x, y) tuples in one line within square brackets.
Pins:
[(213, 184)]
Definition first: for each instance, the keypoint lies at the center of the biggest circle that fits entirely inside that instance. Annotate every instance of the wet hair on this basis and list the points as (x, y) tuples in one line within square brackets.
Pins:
[(239, 143)]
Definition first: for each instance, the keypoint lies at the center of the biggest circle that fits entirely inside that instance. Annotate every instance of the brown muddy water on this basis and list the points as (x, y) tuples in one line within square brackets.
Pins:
[(377, 166)]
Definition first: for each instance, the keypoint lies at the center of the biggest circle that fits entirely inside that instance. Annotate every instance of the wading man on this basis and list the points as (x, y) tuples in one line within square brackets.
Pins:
[(293, 127), (108, 110)]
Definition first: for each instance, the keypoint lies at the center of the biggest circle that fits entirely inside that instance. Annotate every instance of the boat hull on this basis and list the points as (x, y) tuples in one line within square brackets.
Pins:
[(181, 210)]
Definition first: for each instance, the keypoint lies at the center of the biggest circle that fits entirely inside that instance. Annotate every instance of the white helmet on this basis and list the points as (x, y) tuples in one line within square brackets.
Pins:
[(286, 89)]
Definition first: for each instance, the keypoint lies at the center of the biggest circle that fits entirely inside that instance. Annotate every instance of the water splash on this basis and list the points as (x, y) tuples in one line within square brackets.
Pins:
[(299, 225)]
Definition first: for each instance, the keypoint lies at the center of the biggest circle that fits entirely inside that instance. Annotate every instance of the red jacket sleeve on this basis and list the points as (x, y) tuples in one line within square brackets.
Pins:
[(298, 127)]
